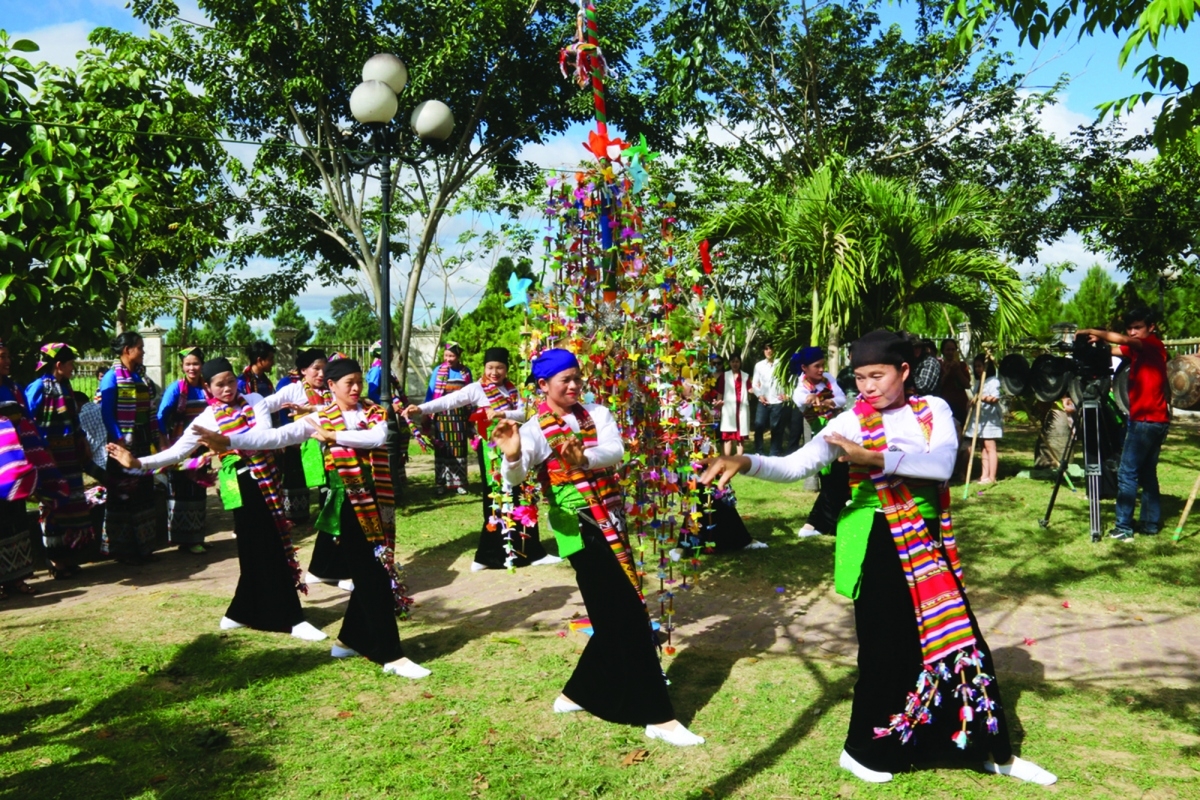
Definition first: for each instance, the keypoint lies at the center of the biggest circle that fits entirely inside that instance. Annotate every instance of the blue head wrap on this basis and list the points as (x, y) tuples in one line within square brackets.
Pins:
[(805, 357), (551, 362)]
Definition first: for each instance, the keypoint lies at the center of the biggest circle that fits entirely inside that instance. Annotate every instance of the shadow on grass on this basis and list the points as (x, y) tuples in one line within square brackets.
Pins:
[(165, 734)]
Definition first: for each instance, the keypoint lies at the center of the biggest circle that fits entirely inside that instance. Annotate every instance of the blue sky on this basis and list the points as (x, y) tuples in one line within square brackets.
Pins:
[(60, 27)]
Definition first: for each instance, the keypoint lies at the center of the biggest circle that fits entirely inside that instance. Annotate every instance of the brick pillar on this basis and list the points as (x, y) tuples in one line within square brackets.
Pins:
[(285, 350), (154, 358)]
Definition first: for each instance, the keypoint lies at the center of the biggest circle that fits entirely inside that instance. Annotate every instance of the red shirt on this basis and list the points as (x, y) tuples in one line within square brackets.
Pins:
[(1147, 380)]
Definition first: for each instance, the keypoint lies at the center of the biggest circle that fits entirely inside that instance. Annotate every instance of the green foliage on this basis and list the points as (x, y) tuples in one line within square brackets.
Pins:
[(67, 206), (1094, 303), (240, 332), (1136, 21), (215, 333), (289, 316), (490, 324), (354, 320), (1046, 294)]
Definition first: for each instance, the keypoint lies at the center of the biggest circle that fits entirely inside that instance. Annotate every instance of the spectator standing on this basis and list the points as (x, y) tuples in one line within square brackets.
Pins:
[(955, 381), (927, 374), (1149, 419), (766, 387), (733, 399), (990, 422)]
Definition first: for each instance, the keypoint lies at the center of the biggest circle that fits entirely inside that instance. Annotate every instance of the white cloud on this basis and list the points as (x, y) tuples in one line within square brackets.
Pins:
[(59, 43)]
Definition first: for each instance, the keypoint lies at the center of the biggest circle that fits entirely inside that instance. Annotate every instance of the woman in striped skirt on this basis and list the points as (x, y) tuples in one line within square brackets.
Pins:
[(450, 451), (66, 527), (16, 546), (130, 521), (187, 498)]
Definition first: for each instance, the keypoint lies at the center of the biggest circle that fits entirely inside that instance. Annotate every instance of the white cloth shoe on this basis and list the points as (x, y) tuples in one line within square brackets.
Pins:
[(755, 544), (862, 773), (337, 651), (461, 490), (227, 624), (477, 567), (346, 586), (545, 560), (310, 578), (1022, 770), (406, 669), (807, 531), (680, 736), (564, 706), (308, 633)]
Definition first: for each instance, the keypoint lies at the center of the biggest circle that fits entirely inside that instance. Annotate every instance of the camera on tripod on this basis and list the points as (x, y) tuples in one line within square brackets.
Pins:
[(1083, 371)]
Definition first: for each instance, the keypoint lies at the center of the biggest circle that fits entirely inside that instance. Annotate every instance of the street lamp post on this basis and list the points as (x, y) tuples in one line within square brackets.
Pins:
[(375, 101)]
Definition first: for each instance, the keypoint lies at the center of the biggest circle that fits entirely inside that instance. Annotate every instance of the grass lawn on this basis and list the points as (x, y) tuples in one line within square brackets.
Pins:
[(139, 696)]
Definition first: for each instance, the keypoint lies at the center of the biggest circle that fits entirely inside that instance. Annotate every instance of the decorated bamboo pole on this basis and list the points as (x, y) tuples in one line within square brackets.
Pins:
[(975, 436), (1187, 509)]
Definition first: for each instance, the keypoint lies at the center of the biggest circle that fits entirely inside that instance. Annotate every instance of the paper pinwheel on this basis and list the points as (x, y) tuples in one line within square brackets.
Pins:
[(518, 287)]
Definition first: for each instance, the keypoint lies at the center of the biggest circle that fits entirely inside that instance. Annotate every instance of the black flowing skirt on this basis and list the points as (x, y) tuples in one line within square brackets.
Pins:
[(329, 558), (832, 498), (491, 552), (618, 677), (889, 661), (16, 541), (296, 497), (369, 627), (723, 526), (266, 597)]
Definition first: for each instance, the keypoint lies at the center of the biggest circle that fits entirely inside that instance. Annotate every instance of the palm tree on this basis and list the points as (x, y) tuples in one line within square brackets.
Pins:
[(864, 252)]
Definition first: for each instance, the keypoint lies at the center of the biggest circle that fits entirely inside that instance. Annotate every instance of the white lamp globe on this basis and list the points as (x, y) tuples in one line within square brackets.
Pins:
[(432, 120), (373, 101), (387, 68)]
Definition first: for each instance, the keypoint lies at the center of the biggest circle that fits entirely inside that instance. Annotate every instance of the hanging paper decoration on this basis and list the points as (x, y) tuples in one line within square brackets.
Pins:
[(616, 295)]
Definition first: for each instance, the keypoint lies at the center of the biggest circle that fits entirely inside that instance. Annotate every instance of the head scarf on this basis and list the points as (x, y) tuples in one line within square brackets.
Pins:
[(453, 347), (191, 351), (808, 355), (337, 356), (336, 369), (214, 367), (551, 362), (52, 354), (881, 347), (305, 358), (377, 348), (498, 354)]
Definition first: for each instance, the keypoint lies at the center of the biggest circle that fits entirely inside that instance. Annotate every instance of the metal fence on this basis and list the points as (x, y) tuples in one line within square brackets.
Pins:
[(1181, 347), (91, 368)]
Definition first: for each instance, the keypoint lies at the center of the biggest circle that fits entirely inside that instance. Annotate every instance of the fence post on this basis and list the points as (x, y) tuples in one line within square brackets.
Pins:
[(1065, 331), (285, 350), (153, 357), (964, 339)]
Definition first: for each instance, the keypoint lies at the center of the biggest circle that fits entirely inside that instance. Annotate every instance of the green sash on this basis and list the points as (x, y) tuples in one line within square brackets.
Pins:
[(854, 529), (312, 458), (565, 504), (227, 483)]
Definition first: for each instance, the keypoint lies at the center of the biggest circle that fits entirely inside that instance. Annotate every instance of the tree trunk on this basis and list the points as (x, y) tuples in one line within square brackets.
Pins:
[(834, 345), (122, 310), (816, 306), (414, 282), (183, 322)]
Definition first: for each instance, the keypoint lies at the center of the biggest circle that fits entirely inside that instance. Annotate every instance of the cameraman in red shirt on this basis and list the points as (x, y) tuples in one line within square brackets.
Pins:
[(1148, 420)]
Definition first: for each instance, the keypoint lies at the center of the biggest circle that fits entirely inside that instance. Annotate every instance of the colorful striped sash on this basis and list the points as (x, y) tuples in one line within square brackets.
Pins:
[(442, 384), (57, 410), (239, 419), (498, 400), (943, 624), (133, 401), (367, 479), (810, 412), (598, 487)]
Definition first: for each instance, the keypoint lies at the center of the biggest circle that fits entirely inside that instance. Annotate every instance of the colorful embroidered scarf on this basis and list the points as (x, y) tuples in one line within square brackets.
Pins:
[(598, 487), (943, 624), (258, 384), (239, 419), (317, 397), (133, 400), (497, 400), (826, 393), (57, 411), (187, 408), (367, 479), (442, 383)]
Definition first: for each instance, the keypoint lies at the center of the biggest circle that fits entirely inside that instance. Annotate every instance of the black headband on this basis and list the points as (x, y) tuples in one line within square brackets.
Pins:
[(881, 347), (498, 354), (305, 358), (340, 368), (214, 367)]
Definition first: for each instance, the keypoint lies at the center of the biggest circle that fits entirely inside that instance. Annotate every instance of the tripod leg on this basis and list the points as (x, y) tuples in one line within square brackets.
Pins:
[(1187, 509), (1062, 471)]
